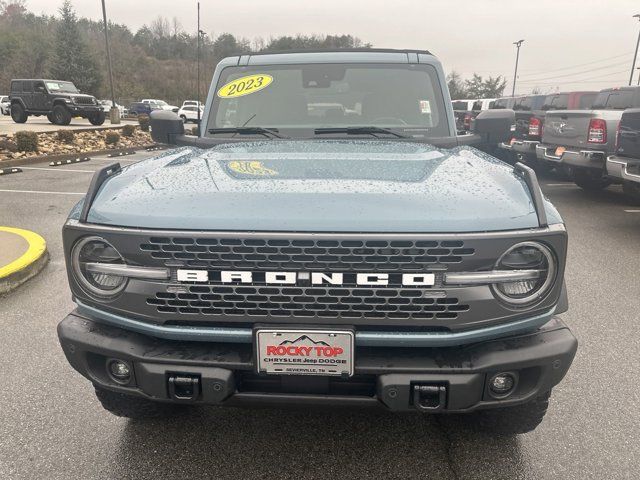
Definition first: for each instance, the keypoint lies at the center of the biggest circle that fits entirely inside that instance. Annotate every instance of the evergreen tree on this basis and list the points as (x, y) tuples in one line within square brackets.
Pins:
[(456, 86), (72, 60)]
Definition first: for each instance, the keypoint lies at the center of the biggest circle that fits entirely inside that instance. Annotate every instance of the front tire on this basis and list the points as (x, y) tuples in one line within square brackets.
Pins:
[(590, 180), (97, 119), (184, 118), (18, 114), (510, 421), (631, 191), (61, 116), (130, 406)]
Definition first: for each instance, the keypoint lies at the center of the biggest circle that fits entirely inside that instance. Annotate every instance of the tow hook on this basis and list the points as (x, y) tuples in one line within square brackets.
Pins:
[(429, 398), (184, 388)]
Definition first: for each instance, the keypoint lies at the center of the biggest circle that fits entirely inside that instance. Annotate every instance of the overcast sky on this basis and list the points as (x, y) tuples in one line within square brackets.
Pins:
[(569, 44)]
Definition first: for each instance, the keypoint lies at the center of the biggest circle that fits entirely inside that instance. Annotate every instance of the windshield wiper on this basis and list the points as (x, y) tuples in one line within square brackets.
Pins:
[(267, 132), (371, 130)]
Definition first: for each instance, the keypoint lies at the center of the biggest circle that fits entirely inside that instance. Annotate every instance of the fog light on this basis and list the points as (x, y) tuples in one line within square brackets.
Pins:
[(502, 384), (120, 371)]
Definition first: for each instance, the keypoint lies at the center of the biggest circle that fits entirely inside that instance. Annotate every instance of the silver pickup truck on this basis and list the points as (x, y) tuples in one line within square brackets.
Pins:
[(582, 139)]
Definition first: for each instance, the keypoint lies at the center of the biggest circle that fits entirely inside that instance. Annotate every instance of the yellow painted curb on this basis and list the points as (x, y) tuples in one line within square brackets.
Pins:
[(37, 248)]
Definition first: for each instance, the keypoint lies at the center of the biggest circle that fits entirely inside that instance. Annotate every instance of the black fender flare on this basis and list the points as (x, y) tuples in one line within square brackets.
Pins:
[(20, 101), (58, 101)]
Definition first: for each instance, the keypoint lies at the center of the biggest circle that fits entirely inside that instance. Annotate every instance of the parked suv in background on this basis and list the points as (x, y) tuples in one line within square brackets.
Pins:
[(60, 101), (462, 111), (139, 108), (582, 139), (189, 113), (106, 107), (160, 104), (5, 105), (530, 116), (466, 110), (624, 166)]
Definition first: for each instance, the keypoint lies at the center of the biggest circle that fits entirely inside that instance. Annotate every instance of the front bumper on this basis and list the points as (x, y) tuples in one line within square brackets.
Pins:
[(625, 169), (383, 376), (84, 110), (575, 158)]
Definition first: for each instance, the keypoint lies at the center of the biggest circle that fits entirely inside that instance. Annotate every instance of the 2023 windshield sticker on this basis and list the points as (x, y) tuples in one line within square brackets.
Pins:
[(245, 86)]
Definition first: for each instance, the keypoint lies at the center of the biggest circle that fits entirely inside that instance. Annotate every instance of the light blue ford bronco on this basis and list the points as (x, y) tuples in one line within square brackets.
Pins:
[(327, 239)]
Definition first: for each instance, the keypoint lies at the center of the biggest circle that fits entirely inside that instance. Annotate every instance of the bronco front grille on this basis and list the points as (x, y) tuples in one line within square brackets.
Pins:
[(306, 254), (347, 303)]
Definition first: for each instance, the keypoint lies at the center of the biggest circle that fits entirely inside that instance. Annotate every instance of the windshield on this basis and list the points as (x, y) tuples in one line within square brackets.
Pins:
[(614, 100), (460, 105), (301, 98), (62, 87), (500, 104), (556, 102), (160, 102)]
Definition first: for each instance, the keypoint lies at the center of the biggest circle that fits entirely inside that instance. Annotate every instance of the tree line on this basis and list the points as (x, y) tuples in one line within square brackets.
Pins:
[(156, 61), (475, 87)]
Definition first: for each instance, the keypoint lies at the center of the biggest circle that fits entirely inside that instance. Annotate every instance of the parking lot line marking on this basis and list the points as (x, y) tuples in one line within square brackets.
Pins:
[(632, 211), (58, 169), (42, 192), (559, 185)]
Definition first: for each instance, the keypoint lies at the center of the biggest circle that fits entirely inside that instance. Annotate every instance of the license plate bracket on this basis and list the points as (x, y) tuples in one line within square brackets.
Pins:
[(292, 351)]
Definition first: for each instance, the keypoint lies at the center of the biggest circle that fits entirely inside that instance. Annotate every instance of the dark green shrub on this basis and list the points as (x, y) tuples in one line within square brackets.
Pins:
[(143, 120), (27, 141), (8, 145), (128, 130), (66, 136), (112, 138)]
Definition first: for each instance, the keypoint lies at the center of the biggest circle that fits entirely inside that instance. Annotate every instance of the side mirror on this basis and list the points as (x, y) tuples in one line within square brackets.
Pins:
[(165, 126), (494, 126)]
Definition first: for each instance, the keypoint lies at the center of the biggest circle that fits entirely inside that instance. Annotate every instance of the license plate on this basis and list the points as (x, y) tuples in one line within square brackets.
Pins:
[(560, 151), (305, 352), (513, 140)]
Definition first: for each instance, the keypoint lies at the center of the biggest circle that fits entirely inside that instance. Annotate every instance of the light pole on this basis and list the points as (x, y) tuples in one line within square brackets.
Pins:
[(633, 65), (114, 113), (638, 68), (515, 74), (198, 61)]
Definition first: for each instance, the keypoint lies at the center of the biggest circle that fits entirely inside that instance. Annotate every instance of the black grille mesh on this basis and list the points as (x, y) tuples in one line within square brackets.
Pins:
[(83, 100), (307, 254), (380, 303)]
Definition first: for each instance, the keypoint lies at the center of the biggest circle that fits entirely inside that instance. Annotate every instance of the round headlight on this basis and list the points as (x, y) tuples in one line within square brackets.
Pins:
[(527, 256), (87, 256)]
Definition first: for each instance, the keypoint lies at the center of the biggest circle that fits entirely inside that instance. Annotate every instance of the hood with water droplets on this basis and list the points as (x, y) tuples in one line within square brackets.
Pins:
[(319, 186)]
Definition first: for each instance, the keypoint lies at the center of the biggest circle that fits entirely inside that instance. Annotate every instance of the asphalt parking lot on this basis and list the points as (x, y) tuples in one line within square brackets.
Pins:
[(41, 124), (51, 425)]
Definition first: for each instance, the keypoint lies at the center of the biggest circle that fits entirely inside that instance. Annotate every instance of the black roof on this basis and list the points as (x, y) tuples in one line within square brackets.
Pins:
[(339, 50)]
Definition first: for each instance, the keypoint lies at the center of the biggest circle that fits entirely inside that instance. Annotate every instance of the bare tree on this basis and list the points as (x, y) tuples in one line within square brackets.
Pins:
[(160, 28), (176, 27)]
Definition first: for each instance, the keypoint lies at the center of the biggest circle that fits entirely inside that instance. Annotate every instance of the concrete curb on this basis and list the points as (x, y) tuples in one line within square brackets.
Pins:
[(79, 130), (28, 264), (68, 156)]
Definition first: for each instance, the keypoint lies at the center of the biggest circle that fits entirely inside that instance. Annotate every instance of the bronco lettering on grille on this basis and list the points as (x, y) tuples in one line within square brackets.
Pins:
[(316, 278)]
